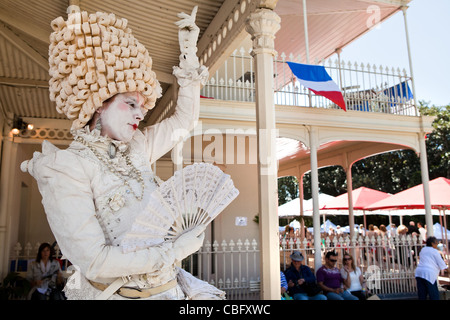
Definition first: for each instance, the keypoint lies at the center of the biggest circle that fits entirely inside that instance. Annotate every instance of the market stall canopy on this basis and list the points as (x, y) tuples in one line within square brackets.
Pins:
[(295, 224), (402, 212), (327, 225), (438, 231), (362, 197), (292, 208), (324, 227), (346, 229), (413, 198)]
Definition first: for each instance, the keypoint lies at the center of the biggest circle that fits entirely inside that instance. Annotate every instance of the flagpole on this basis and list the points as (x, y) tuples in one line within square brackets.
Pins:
[(305, 24), (314, 169), (305, 27), (404, 8)]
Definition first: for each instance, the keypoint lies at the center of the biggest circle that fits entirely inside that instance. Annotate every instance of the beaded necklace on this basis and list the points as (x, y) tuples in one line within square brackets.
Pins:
[(108, 159)]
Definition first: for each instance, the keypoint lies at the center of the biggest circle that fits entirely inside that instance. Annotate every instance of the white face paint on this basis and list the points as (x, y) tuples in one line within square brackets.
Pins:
[(120, 118)]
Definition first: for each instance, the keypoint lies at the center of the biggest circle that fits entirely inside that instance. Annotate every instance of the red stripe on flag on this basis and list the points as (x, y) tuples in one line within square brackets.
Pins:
[(335, 96)]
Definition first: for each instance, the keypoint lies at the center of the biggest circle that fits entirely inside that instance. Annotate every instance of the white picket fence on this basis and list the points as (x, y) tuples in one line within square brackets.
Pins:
[(231, 266), (365, 87), (388, 264), (234, 266)]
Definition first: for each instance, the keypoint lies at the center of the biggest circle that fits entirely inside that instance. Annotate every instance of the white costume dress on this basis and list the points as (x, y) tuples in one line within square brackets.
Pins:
[(89, 208)]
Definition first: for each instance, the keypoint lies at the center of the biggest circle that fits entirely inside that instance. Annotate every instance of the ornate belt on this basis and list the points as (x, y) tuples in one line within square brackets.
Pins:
[(129, 292)]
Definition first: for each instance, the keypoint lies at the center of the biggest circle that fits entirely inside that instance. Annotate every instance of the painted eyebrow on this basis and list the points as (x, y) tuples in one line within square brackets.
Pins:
[(133, 100)]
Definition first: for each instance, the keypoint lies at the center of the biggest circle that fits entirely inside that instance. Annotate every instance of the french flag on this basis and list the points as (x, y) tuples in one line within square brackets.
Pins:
[(316, 79)]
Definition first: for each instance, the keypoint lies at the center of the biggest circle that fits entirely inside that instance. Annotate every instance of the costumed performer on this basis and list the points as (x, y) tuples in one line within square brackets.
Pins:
[(101, 78)]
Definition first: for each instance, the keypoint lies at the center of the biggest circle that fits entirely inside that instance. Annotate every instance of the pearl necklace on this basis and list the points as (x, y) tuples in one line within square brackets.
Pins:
[(131, 171)]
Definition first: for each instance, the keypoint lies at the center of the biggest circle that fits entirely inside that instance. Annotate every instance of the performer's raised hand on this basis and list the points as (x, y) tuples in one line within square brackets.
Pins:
[(187, 37)]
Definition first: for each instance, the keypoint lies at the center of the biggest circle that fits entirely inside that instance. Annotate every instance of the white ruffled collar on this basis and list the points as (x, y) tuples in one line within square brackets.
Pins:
[(94, 138)]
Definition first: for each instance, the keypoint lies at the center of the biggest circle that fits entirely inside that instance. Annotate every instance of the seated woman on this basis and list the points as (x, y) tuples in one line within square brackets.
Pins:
[(45, 274), (353, 277)]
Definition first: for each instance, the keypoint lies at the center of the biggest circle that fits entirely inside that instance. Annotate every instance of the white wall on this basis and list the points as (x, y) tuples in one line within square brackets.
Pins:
[(237, 159)]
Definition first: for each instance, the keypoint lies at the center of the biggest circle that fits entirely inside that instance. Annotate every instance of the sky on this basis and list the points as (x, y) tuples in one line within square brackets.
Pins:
[(429, 35)]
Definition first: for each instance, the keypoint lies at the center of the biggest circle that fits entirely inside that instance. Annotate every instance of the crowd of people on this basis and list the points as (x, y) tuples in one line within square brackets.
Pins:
[(299, 282), (290, 233), (329, 283)]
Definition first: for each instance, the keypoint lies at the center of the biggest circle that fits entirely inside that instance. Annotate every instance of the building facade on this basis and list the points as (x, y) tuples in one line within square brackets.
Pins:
[(256, 122)]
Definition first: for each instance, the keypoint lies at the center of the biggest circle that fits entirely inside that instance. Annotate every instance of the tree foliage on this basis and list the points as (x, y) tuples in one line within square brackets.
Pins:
[(438, 141), (287, 189)]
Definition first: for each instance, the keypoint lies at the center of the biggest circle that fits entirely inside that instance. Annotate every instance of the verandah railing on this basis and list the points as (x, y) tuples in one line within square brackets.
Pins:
[(365, 87)]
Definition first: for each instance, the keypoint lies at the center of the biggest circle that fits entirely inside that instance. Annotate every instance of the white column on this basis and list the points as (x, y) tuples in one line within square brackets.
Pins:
[(7, 169), (302, 209), (262, 26), (313, 141), (422, 145), (425, 183), (351, 218)]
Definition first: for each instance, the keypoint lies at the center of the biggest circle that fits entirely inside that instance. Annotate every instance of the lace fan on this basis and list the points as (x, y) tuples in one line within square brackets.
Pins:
[(193, 196)]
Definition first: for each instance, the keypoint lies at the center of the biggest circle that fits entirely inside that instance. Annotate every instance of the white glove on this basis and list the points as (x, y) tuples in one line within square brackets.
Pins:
[(187, 37), (188, 243)]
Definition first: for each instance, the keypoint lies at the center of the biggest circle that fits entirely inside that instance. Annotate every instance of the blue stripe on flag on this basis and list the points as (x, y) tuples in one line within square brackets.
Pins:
[(401, 90), (309, 72)]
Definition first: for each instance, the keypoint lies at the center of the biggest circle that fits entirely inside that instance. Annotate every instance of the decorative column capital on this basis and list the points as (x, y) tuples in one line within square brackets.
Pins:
[(262, 26)]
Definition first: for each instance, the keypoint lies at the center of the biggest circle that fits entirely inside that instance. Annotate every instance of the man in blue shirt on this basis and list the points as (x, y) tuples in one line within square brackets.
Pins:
[(297, 276)]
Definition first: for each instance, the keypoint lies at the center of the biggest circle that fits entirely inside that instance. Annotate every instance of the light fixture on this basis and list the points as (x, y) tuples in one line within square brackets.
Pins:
[(20, 126), (15, 131)]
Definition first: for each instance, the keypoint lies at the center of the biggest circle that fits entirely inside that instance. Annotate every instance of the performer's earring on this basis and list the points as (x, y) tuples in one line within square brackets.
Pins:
[(98, 125)]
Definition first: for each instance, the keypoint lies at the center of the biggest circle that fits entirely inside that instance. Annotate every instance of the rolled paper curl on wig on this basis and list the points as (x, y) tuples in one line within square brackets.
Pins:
[(88, 64)]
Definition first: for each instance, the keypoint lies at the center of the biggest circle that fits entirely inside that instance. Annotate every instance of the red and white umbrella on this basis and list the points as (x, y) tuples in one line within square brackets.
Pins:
[(413, 198)]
